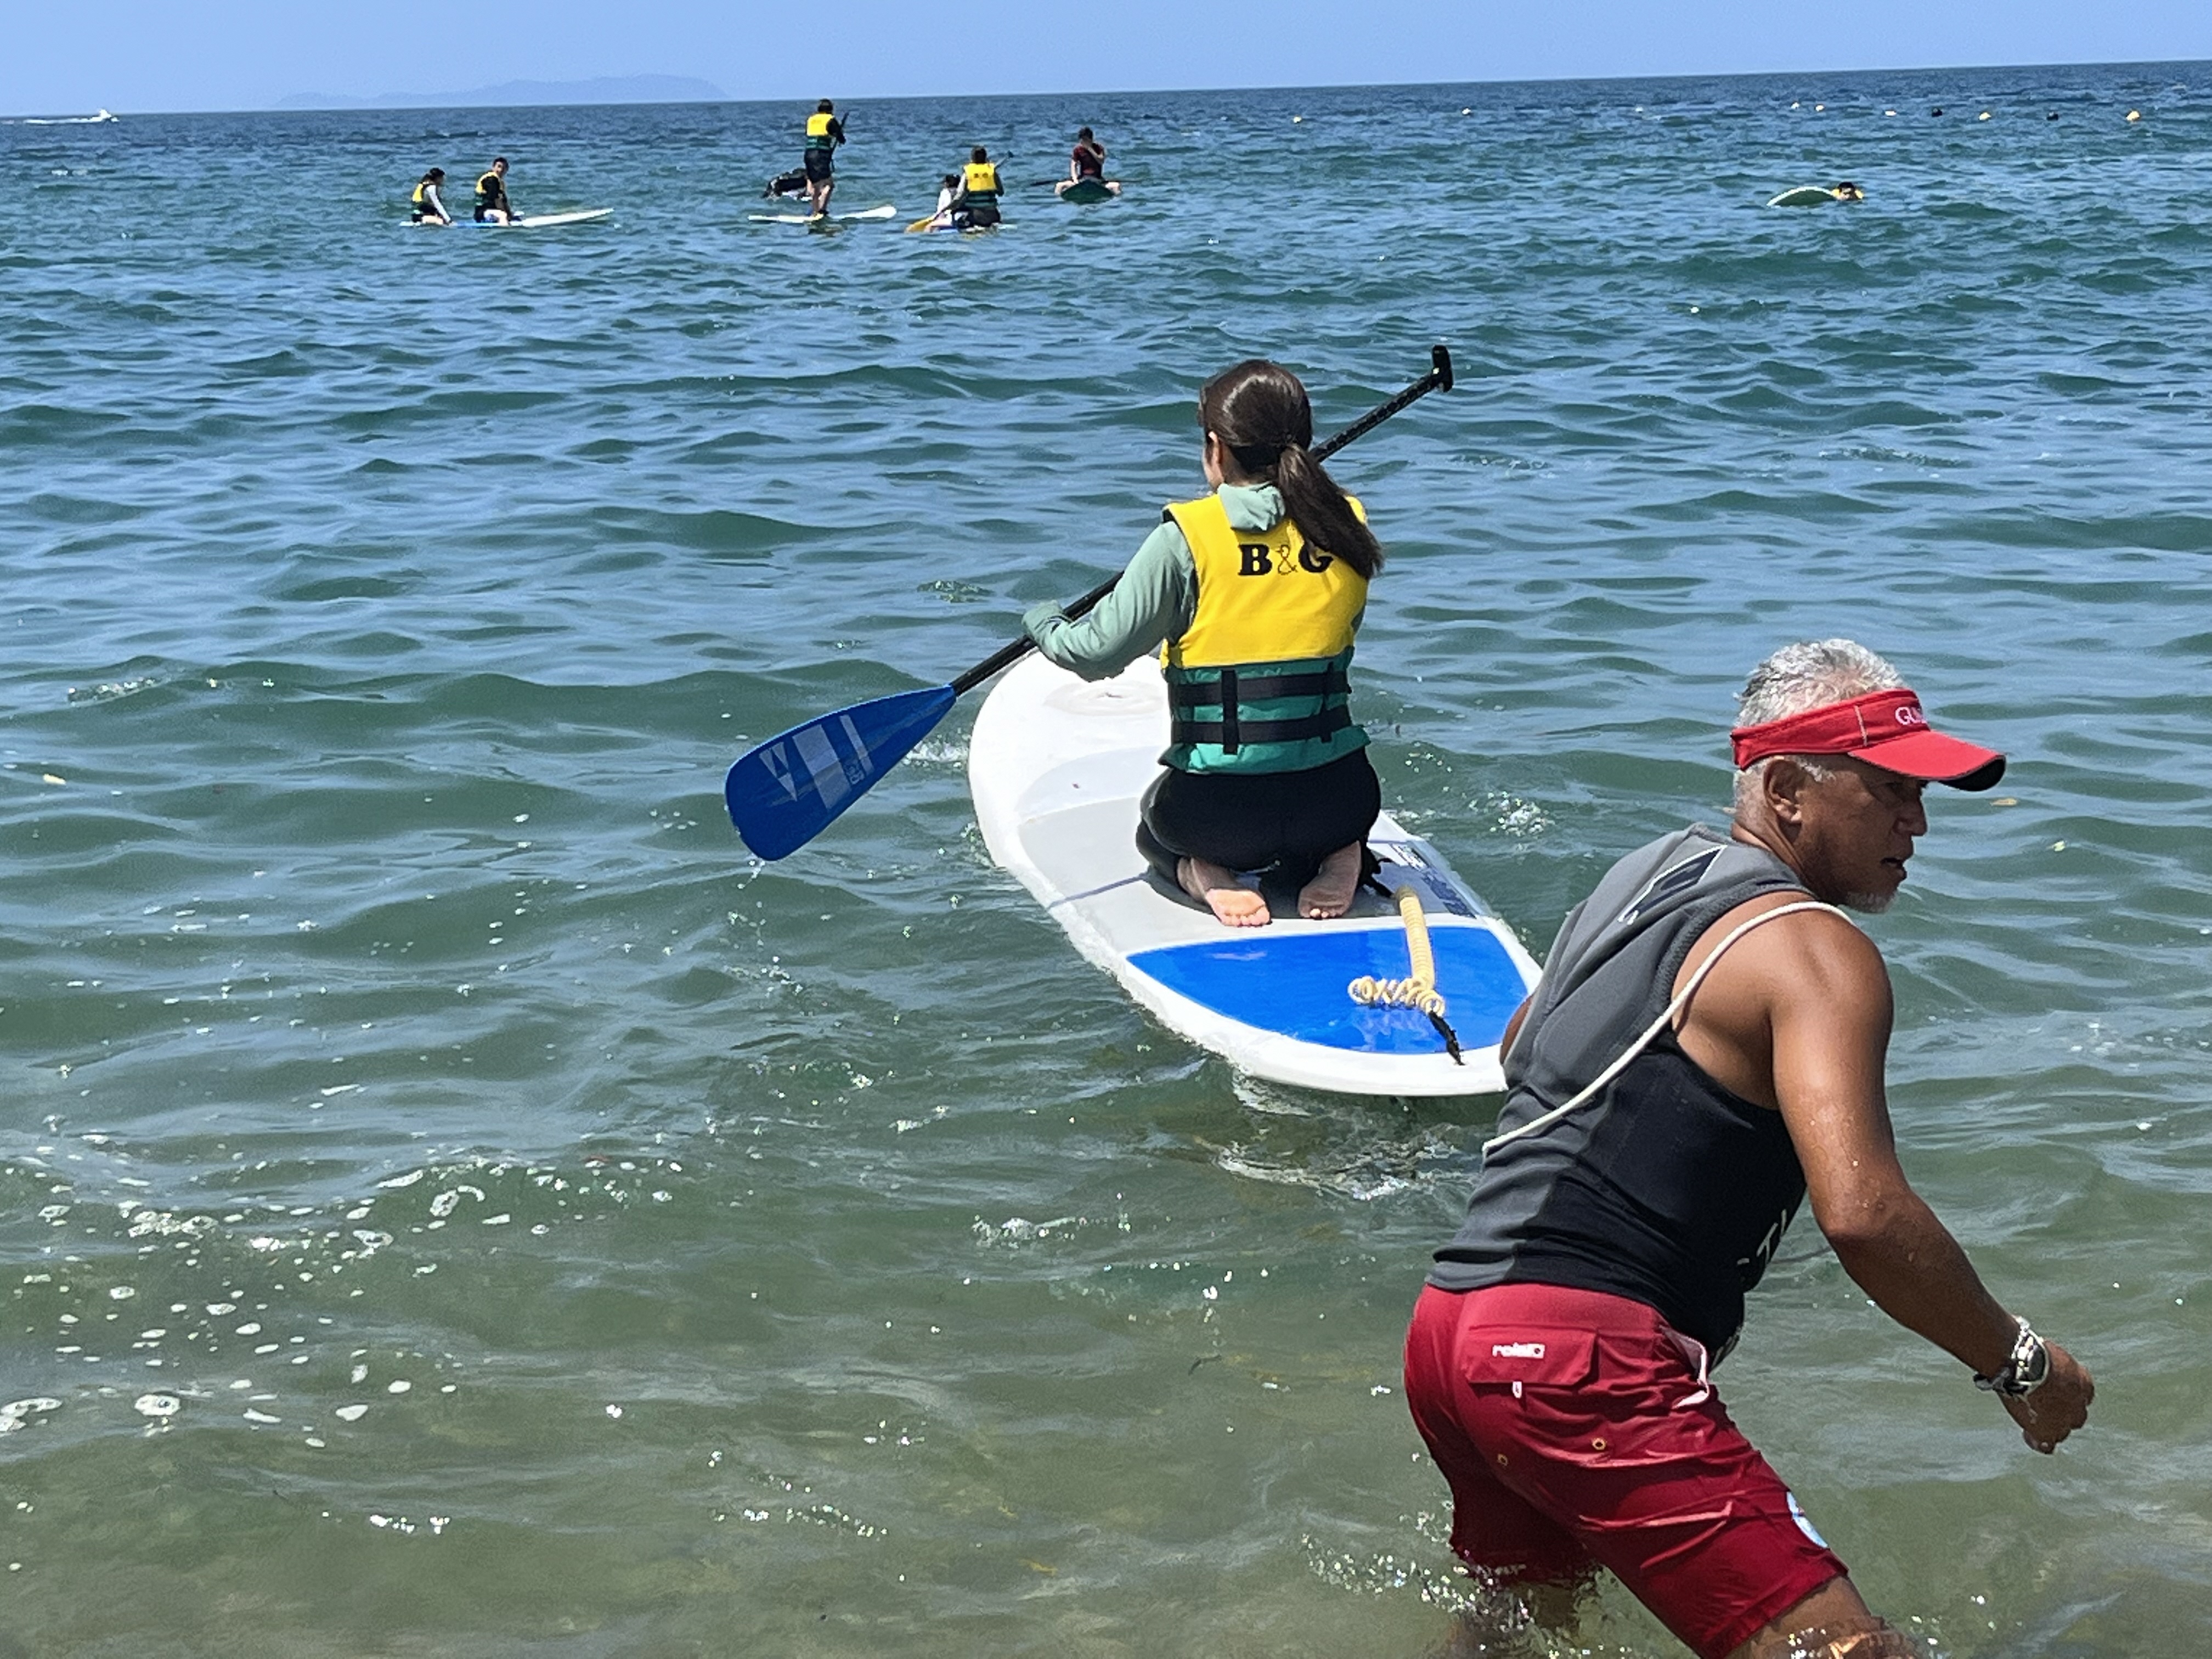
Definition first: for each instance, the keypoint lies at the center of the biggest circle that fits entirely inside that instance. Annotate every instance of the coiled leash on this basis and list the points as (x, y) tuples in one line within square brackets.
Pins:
[(1419, 989)]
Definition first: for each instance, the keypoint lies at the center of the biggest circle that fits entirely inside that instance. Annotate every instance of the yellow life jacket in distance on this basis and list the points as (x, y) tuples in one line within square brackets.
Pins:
[(818, 136), (1264, 596), (982, 179), (489, 188)]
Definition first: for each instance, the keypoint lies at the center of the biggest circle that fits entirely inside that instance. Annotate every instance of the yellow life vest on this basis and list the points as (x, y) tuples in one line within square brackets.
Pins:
[(489, 187), (417, 198), (817, 130), (982, 179), (1264, 596)]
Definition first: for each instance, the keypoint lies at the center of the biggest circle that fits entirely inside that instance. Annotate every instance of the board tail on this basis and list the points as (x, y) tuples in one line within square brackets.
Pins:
[(783, 792)]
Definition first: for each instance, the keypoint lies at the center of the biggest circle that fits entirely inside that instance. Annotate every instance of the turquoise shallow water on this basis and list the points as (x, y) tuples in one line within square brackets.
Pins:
[(551, 1232)]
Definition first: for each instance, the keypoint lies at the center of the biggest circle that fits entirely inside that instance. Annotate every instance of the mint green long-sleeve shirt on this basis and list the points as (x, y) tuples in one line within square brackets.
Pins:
[(1154, 602)]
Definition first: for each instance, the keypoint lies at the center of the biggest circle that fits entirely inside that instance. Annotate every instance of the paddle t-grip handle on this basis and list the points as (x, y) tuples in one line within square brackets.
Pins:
[(1439, 378)]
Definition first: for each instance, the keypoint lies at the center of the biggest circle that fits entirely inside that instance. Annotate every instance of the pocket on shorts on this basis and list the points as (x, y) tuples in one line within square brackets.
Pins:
[(1530, 1356)]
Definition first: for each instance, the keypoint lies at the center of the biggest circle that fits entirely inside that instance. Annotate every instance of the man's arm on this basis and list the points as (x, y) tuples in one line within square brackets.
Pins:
[(1828, 1016)]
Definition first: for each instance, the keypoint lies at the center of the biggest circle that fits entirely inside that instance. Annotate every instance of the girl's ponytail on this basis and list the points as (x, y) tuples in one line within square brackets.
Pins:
[(1262, 415)]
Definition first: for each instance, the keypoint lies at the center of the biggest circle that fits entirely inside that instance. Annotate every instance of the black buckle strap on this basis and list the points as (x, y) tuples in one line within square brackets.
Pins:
[(1186, 694), (1232, 733)]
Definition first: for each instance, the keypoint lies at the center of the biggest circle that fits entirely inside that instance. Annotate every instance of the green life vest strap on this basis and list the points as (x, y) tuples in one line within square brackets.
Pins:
[(1233, 694)]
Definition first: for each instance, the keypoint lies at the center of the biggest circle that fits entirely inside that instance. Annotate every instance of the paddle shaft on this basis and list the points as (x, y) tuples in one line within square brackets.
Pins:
[(1438, 379)]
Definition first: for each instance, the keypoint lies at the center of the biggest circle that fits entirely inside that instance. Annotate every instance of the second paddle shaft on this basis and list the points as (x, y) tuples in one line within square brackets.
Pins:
[(1439, 378)]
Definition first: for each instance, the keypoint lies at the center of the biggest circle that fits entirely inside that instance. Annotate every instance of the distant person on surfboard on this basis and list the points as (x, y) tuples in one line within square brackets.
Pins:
[(426, 208), (824, 132), (980, 190), (1086, 163), (948, 199), (1255, 593), (493, 207)]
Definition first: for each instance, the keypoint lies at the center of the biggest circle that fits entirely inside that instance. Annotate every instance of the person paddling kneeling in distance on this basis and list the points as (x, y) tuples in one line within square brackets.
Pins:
[(978, 205), (1086, 163), (1704, 1053), (1255, 593)]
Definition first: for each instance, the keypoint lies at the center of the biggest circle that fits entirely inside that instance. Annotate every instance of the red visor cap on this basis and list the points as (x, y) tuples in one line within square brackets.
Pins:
[(1886, 729)]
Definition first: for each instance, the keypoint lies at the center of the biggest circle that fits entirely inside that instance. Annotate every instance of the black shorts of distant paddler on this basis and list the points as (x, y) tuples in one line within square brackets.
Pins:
[(821, 164), (1282, 824)]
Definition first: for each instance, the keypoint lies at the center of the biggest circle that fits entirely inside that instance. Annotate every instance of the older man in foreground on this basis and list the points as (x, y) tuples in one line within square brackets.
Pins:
[(1704, 1051)]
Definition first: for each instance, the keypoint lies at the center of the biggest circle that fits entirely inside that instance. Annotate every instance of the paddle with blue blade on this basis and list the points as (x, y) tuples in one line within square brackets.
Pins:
[(783, 792)]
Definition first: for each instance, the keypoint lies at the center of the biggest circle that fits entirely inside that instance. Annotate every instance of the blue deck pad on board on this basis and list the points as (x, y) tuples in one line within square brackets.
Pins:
[(1294, 984)]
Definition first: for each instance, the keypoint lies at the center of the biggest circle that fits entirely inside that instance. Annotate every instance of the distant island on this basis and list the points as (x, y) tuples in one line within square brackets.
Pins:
[(604, 90)]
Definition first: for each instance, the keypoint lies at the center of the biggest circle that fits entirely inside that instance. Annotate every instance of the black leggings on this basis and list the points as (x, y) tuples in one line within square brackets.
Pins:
[(1280, 823)]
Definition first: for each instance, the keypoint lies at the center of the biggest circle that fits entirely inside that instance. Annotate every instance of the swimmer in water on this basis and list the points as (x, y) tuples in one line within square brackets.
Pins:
[(1844, 191)]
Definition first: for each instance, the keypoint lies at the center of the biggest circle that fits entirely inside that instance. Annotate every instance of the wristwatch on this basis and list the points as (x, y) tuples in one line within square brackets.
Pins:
[(2025, 1369)]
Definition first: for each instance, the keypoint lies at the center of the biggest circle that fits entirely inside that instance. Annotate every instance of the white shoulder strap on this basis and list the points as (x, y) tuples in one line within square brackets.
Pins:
[(1666, 1018)]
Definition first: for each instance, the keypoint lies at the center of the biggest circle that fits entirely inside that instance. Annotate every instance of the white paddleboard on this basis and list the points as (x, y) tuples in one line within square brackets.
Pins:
[(883, 212), (535, 221), (1057, 767), (1804, 196)]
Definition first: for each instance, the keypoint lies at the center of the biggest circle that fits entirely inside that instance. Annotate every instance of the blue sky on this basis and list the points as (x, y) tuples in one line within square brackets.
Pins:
[(128, 55)]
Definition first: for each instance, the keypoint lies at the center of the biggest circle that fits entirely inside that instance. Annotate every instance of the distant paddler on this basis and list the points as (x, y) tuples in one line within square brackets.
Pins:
[(980, 190), (824, 132), (948, 199), (1253, 593), (427, 208), (1086, 165), (493, 207)]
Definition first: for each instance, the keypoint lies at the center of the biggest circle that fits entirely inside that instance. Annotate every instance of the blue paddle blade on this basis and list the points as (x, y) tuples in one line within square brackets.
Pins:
[(783, 792)]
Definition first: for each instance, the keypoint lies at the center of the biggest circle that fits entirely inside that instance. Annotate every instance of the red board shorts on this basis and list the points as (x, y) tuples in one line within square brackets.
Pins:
[(1577, 1428)]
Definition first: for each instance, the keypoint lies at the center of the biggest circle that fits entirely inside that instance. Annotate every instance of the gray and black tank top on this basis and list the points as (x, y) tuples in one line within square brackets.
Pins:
[(1665, 1187)]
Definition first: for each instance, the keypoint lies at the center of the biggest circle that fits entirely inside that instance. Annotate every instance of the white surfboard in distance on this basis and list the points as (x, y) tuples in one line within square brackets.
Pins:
[(533, 221), (883, 212), (547, 220), (1057, 767)]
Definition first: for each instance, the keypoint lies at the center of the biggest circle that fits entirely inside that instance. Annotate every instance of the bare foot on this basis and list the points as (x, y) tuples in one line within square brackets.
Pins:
[(1233, 905), (1329, 893)]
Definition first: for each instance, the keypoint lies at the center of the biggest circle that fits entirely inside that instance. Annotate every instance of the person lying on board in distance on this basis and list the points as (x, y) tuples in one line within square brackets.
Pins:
[(979, 191), (1087, 160), (824, 132), (1845, 191), (1255, 591), (426, 208), (493, 207), (1556, 1364)]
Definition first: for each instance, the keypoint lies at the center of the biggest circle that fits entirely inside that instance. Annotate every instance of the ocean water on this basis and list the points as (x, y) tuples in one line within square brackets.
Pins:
[(455, 1202)]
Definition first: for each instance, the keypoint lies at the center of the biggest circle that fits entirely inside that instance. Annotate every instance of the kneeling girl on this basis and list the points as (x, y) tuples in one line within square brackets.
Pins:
[(1254, 593)]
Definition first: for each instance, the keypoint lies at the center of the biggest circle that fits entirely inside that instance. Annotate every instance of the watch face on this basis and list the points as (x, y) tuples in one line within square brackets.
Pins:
[(2037, 1366)]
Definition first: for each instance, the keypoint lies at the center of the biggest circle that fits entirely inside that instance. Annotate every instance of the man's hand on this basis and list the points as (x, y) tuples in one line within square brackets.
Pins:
[(2058, 1407)]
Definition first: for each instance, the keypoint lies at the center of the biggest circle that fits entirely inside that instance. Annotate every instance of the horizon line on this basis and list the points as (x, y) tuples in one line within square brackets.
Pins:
[(1116, 92)]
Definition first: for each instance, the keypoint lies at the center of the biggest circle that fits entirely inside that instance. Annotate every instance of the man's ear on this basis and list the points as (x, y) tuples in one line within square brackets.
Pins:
[(1781, 786)]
